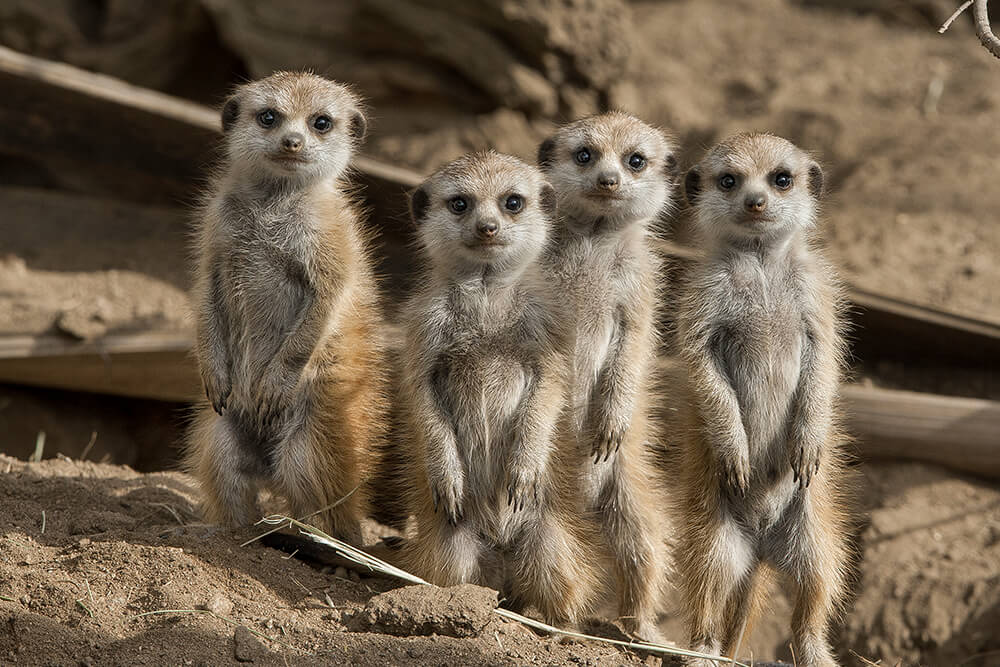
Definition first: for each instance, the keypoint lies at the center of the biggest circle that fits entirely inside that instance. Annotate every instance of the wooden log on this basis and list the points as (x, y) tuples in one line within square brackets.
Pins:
[(961, 433), (145, 365)]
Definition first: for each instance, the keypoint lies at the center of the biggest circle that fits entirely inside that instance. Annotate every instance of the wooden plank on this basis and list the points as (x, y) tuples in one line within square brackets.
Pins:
[(147, 365), (961, 433)]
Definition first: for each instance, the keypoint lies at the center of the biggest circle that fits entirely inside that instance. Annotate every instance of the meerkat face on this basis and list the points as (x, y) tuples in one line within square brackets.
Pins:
[(755, 185), (613, 166), (294, 126), (484, 209)]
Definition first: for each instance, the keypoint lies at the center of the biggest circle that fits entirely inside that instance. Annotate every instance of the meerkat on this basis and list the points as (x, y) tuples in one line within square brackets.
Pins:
[(614, 176), (762, 480), (484, 373), (288, 335)]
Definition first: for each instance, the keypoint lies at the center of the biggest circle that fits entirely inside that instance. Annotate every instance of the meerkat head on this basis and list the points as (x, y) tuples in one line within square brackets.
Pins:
[(754, 186), (484, 210), (293, 125), (612, 166)]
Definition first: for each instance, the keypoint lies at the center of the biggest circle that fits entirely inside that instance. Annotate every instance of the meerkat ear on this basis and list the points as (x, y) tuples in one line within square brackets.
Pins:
[(546, 152), (671, 168), (815, 180), (692, 185), (358, 126), (230, 112), (549, 201), (419, 201)]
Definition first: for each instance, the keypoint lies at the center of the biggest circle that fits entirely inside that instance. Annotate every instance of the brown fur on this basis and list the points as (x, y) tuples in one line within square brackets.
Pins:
[(761, 481), (289, 333), (484, 382), (604, 265)]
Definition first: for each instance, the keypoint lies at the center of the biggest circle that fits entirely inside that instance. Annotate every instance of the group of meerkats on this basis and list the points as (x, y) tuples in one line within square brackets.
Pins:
[(524, 389)]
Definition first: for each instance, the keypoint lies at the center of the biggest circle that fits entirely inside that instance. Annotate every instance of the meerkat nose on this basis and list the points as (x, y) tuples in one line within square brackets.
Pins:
[(608, 180), (292, 143), (487, 228), (755, 202)]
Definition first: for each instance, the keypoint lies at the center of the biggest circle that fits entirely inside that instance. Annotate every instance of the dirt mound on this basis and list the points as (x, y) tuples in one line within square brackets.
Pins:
[(89, 550), (92, 557)]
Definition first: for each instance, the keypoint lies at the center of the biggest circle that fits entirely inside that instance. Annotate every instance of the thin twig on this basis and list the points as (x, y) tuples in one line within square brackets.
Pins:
[(43, 522), (378, 565), (981, 19), (983, 30), (36, 456), (85, 607), (951, 19), (86, 450), (7, 599)]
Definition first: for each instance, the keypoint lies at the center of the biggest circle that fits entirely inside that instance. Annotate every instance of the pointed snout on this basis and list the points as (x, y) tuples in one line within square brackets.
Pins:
[(608, 180), (755, 202), (292, 142), (487, 228)]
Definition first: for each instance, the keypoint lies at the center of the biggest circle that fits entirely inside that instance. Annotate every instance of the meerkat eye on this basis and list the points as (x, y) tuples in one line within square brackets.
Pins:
[(514, 203), (783, 180), (267, 117), (727, 181), (457, 205), (323, 123), (582, 156), (636, 162)]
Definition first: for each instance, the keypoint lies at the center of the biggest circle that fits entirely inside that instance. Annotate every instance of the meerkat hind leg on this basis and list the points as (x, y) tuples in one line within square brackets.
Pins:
[(815, 569), (229, 491), (715, 571), (550, 571), (631, 534)]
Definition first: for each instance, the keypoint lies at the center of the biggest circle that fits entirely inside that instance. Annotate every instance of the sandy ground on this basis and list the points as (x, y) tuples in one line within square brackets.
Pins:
[(88, 548)]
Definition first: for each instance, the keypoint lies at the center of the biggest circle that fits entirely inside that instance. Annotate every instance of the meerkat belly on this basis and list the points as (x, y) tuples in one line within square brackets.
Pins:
[(486, 393), (764, 367), (268, 304)]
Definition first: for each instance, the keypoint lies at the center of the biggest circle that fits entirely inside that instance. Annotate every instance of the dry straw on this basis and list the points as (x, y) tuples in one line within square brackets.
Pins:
[(376, 565)]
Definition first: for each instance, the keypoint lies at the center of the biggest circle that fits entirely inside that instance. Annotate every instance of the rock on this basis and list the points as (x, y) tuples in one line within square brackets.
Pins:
[(458, 611), (246, 647), (219, 605), (480, 56)]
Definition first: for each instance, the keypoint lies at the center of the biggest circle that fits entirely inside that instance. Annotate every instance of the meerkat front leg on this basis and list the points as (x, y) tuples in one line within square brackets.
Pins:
[(213, 339), (532, 431), (812, 405), (303, 334), (445, 472), (719, 409), (613, 401)]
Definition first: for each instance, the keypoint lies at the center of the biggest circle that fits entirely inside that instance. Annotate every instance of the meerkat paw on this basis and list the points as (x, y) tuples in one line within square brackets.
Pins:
[(735, 473), (608, 438), (644, 629), (522, 489), (217, 390), (447, 496), (271, 400), (805, 460)]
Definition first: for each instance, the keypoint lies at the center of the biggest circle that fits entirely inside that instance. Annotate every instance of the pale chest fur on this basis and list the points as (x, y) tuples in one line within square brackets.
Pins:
[(266, 264), (760, 338), (487, 365), (597, 278)]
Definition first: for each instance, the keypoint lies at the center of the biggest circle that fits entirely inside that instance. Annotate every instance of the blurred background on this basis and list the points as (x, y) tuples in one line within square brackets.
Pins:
[(98, 175)]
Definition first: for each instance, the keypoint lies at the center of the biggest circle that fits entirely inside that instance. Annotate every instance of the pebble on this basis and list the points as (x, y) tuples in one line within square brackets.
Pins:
[(219, 605)]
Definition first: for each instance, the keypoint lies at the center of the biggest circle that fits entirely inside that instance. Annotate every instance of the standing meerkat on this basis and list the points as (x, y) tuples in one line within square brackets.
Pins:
[(288, 336), (614, 176), (484, 373), (762, 482)]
